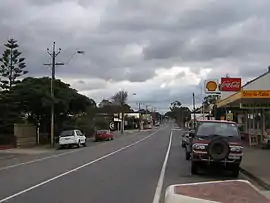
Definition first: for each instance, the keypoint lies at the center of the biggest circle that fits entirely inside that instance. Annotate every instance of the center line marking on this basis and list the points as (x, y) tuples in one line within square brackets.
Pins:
[(75, 169), (162, 173)]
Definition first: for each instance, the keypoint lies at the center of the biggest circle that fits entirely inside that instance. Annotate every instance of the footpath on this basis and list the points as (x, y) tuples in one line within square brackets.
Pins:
[(256, 165)]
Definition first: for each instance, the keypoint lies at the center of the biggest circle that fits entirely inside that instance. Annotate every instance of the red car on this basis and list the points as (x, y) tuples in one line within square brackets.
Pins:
[(102, 135)]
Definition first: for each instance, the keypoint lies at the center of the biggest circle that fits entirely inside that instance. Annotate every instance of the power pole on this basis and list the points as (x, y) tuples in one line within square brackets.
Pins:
[(53, 64), (140, 117), (194, 114)]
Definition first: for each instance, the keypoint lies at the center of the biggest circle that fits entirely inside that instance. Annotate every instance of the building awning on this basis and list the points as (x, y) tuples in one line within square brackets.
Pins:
[(245, 96)]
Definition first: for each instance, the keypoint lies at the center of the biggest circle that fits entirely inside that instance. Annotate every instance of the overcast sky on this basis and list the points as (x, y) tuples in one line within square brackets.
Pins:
[(160, 50)]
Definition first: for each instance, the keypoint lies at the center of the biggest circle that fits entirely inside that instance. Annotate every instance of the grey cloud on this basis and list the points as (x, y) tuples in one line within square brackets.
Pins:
[(199, 34)]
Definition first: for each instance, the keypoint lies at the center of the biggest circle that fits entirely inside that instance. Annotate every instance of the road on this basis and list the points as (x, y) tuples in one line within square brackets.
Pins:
[(129, 169)]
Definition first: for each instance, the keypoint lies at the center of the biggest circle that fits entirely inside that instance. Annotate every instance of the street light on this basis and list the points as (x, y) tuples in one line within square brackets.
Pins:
[(53, 64)]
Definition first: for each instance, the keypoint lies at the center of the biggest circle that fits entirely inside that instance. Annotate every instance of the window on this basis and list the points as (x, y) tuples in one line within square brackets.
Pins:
[(79, 133), (67, 133), (215, 128)]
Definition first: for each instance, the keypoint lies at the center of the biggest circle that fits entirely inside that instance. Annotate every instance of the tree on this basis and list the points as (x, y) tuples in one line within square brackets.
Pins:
[(120, 98), (180, 113), (33, 96), (210, 99), (12, 65)]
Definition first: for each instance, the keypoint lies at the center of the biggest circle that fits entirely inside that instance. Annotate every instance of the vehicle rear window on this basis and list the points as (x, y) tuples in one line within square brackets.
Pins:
[(223, 129), (67, 133), (102, 131)]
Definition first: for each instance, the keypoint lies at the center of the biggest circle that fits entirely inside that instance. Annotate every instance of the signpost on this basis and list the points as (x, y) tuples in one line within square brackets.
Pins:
[(212, 87)]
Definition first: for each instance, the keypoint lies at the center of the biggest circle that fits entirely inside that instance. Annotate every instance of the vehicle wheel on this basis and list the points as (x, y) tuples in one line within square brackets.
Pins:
[(112, 138), (60, 147), (187, 155), (194, 168), (235, 172), (84, 144), (79, 144)]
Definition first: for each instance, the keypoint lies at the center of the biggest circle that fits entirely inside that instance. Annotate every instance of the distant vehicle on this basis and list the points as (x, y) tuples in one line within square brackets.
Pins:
[(185, 139), (102, 135), (69, 138), (215, 142), (157, 124), (148, 126)]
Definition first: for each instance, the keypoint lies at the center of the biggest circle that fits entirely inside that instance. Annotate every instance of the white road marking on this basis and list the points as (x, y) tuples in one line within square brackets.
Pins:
[(38, 160), (75, 169), (44, 158), (162, 173)]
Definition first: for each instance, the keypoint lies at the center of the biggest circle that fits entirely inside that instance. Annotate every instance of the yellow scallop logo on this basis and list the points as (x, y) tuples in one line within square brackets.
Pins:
[(211, 86)]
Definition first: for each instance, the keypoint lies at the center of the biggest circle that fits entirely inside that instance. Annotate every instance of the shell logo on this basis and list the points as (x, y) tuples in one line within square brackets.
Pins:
[(211, 86)]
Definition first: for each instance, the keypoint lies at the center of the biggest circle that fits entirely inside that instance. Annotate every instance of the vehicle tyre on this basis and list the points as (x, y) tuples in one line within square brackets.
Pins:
[(194, 168), (79, 144), (60, 147), (84, 144), (183, 145), (112, 138), (218, 149), (187, 155), (235, 171)]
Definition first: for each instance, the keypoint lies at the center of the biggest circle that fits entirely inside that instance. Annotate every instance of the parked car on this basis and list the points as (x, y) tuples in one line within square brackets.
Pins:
[(102, 135), (185, 139), (157, 124), (71, 138), (216, 142)]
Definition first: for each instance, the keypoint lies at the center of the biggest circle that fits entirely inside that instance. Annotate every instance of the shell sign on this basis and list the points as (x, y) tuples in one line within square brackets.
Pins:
[(211, 86)]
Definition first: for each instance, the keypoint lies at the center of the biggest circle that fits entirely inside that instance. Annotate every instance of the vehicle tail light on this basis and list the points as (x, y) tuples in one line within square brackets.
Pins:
[(237, 149)]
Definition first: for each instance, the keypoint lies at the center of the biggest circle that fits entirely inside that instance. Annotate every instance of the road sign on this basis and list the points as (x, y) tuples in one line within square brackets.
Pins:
[(229, 116), (112, 125)]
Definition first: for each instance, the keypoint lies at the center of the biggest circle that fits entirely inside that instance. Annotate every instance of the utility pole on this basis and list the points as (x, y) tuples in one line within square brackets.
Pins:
[(194, 114), (140, 117), (53, 64)]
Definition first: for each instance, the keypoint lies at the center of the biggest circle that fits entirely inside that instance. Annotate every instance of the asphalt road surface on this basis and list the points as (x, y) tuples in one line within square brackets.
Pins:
[(130, 169)]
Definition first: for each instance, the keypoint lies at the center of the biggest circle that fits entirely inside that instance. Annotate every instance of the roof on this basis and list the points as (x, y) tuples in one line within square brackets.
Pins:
[(218, 121), (260, 76)]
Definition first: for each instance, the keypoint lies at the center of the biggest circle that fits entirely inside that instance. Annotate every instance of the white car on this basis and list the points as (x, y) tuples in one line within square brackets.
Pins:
[(72, 138)]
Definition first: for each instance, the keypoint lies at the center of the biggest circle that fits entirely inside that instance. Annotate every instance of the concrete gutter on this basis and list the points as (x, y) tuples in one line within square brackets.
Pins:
[(255, 178)]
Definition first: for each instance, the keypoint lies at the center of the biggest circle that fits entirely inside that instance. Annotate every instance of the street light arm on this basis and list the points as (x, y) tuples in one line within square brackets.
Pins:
[(76, 52)]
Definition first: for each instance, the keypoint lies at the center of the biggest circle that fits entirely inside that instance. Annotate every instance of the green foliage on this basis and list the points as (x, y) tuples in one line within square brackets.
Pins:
[(181, 113), (34, 97), (120, 97), (31, 99), (10, 113), (210, 99), (12, 65)]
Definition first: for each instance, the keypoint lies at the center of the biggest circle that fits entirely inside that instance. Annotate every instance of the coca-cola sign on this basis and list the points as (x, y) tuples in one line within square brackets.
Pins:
[(230, 84)]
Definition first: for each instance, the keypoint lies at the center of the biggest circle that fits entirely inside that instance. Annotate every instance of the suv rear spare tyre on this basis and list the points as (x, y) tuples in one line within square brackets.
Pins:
[(218, 149)]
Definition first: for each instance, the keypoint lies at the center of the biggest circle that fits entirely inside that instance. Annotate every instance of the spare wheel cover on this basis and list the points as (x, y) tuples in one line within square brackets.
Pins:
[(218, 149)]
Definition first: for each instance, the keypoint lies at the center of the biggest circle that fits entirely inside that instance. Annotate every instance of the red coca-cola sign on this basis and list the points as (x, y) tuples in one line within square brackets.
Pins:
[(230, 84)]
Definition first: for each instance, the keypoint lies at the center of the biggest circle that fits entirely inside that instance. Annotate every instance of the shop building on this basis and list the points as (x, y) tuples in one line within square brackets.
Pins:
[(251, 106)]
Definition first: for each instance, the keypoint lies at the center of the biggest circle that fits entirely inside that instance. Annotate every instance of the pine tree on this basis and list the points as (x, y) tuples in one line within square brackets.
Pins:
[(12, 65)]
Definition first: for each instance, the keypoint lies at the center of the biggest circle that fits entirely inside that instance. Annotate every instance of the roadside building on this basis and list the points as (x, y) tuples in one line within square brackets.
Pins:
[(250, 107)]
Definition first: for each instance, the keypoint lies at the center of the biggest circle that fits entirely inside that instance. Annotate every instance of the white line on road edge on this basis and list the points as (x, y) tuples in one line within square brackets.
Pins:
[(38, 160), (162, 173), (75, 169), (44, 158)]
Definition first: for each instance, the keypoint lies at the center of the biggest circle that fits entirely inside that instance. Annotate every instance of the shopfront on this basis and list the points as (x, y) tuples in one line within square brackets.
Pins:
[(252, 105)]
